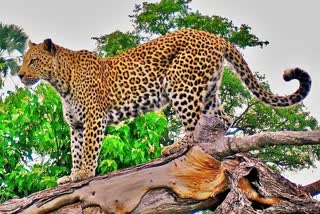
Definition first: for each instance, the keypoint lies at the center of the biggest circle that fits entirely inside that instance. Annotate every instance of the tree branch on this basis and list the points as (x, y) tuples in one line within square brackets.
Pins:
[(209, 130), (244, 112), (313, 188), (257, 141)]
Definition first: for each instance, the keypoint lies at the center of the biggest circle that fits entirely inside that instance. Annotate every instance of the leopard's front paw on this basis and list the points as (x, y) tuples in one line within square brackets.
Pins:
[(78, 175), (64, 179), (183, 144), (167, 150), (81, 174), (172, 149)]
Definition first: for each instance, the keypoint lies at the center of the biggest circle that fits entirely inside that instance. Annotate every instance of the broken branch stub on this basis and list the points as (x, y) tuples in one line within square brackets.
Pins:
[(254, 188)]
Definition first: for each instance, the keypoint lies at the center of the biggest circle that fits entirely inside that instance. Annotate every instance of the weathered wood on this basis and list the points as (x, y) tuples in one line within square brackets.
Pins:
[(195, 175), (269, 186), (192, 181)]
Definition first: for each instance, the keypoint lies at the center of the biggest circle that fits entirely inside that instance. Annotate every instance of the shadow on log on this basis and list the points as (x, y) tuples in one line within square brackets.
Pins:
[(201, 177)]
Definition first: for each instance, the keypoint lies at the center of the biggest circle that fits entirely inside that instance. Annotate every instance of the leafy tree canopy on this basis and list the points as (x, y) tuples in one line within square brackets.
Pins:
[(164, 16), (116, 42), (12, 45)]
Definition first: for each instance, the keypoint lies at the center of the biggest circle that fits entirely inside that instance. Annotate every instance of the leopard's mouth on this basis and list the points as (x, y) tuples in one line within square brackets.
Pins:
[(29, 81)]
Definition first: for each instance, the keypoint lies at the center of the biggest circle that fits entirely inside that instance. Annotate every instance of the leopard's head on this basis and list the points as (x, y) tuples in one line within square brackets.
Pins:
[(38, 62)]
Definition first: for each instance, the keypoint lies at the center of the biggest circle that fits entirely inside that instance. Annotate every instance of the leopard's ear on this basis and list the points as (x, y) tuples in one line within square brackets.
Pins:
[(30, 44), (49, 46)]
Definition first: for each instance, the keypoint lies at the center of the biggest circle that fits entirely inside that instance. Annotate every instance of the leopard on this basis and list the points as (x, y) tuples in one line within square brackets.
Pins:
[(183, 68)]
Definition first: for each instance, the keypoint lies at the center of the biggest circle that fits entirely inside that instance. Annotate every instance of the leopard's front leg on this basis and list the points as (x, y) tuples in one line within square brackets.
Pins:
[(77, 137), (93, 135), (86, 161), (76, 123)]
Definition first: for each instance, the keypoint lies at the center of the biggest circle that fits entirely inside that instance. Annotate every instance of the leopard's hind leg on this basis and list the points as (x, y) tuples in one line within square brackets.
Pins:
[(193, 90), (212, 103), (186, 88)]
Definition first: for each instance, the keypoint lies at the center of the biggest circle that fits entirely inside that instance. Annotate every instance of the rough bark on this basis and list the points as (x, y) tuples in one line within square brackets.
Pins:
[(201, 177)]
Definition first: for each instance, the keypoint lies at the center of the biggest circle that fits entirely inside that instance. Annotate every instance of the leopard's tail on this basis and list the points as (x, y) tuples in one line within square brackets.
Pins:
[(233, 56)]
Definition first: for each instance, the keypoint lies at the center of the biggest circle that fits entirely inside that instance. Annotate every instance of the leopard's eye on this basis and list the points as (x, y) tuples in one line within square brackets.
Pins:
[(32, 61)]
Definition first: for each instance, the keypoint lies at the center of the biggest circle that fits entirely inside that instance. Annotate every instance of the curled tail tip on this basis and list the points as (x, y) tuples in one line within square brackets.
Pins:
[(305, 83), (296, 73)]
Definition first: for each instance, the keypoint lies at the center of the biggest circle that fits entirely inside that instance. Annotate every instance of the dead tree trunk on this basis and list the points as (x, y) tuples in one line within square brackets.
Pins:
[(204, 176)]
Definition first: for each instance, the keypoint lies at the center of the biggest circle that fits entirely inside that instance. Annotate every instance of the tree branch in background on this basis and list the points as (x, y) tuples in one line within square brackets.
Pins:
[(244, 112), (208, 131), (313, 188)]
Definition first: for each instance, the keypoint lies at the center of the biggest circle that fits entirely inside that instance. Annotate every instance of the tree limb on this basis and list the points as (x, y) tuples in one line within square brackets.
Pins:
[(208, 131), (313, 188)]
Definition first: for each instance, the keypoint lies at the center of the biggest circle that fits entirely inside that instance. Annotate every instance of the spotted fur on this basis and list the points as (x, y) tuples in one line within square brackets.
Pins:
[(183, 68)]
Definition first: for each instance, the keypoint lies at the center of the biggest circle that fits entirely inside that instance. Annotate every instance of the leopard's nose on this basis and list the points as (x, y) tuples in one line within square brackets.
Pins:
[(20, 76)]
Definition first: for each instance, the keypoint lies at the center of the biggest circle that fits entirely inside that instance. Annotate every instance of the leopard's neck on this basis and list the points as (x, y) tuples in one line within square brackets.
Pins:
[(61, 76)]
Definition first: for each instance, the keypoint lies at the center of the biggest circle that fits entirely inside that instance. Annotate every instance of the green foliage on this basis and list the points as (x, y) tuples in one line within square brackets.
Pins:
[(289, 157), (133, 143), (243, 38), (221, 26), (233, 92), (167, 15), (33, 134), (294, 119), (2, 65), (12, 39), (265, 118), (159, 18), (214, 24), (114, 43), (174, 127), (154, 19)]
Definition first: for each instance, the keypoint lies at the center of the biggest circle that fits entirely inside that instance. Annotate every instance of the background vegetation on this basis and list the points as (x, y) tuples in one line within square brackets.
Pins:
[(34, 142)]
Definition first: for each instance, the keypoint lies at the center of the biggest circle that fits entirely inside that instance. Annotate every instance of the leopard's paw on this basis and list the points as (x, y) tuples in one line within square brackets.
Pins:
[(64, 179), (81, 174), (78, 175), (172, 149), (183, 144)]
